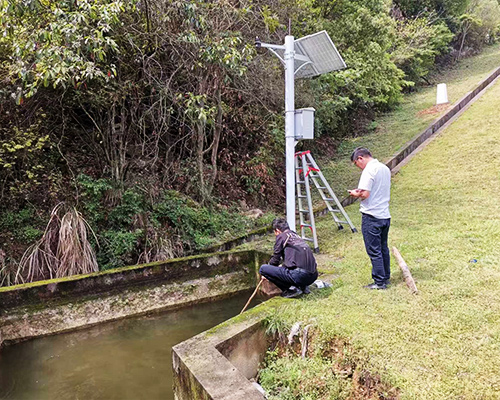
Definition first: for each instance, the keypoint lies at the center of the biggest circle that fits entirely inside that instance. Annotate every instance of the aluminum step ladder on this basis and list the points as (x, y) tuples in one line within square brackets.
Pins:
[(306, 169)]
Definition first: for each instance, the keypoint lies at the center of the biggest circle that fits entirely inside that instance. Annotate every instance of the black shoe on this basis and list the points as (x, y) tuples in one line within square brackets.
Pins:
[(306, 290), (376, 286), (290, 294)]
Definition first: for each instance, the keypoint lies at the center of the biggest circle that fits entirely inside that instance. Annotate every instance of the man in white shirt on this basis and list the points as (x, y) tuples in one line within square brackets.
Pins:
[(374, 190)]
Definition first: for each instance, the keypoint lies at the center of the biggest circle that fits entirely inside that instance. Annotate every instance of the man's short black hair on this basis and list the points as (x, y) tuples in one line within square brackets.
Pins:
[(360, 152), (280, 224)]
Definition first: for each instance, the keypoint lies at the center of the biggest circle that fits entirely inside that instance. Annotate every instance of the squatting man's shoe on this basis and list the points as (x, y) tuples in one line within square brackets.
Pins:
[(291, 293)]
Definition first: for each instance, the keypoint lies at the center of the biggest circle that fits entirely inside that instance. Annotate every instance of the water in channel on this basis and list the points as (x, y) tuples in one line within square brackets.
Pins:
[(126, 359)]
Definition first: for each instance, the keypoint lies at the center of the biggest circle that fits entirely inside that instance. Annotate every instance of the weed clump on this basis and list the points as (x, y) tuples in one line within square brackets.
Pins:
[(303, 367)]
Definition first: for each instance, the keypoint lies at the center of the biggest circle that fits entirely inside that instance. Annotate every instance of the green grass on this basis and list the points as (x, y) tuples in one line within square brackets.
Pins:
[(396, 128), (445, 342)]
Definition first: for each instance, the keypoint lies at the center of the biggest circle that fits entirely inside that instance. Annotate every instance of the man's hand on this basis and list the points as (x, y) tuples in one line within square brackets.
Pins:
[(359, 193)]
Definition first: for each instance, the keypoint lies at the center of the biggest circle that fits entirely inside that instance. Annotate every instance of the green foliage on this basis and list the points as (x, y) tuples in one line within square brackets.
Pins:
[(294, 378), (118, 248), (23, 155), (473, 23), (60, 43), (131, 205), (270, 19), (198, 226), (92, 195), (364, 33), (446, 8), (21, 225), (128, 224), (478, 26), (418, 43), (276, 327)]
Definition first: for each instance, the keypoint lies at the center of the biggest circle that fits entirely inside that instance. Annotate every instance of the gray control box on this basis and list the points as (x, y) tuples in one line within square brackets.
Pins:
[(304, 123)]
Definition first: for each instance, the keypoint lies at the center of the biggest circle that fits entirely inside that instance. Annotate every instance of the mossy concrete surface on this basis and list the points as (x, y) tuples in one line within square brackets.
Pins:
[(58, 305), (174, 270)]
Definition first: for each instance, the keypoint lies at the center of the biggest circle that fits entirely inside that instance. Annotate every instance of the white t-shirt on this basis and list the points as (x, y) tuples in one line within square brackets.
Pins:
[(376, 178)]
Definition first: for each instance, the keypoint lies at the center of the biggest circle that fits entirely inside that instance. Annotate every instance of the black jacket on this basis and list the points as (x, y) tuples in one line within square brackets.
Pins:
[(294, 251)]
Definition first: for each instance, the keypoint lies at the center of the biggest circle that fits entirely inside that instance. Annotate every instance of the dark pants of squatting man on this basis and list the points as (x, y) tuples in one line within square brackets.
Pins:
[(285, 277)]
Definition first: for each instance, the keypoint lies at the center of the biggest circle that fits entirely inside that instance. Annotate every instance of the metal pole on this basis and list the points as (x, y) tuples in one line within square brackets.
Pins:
[(290, 129)]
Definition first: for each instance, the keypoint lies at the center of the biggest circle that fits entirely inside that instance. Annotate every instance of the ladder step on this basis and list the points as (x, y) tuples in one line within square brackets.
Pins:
[(306, 225), (308, 239), (304, 211), (321, 187), (301, 196), (301, 182), (314, 176)]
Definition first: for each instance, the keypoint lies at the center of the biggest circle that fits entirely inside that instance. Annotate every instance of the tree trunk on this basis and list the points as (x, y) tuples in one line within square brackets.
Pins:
[(215, 144)]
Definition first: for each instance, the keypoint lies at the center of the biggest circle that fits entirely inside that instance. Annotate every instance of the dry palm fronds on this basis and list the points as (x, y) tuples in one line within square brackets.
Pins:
[(6, 275), (74, 252), (63, 250), (39, 260)]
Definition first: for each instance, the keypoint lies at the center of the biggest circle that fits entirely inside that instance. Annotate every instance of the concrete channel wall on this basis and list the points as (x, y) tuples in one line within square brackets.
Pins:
[(219, 363), (59, 305)]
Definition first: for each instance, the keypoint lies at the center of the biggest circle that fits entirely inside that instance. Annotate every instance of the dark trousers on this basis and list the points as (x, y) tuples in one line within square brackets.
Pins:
[(375, 232), (284, 277)]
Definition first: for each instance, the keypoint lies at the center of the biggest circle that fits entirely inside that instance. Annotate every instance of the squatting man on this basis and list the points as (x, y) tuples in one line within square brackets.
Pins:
[(299, 268)]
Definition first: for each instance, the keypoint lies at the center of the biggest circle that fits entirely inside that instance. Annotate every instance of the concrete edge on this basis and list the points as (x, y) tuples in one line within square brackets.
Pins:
[(217, 364), (25, 324), (54, 291)]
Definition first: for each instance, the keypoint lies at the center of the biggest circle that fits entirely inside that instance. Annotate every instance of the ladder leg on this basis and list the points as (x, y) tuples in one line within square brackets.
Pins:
[(309, 203), (300, 196)]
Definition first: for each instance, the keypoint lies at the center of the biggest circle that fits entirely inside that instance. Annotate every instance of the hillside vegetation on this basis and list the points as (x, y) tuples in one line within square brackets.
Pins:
[(159, 121)]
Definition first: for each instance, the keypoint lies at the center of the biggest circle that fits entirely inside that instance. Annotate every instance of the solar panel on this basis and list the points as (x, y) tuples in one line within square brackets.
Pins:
[(323, 54), (315, 55)]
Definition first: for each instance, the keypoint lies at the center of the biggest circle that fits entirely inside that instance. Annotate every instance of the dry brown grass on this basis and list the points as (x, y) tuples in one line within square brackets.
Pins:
[(63, 250)]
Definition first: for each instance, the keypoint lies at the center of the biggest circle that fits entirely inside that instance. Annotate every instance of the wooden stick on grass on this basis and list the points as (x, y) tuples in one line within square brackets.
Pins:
[(406, 271), (253, 294)]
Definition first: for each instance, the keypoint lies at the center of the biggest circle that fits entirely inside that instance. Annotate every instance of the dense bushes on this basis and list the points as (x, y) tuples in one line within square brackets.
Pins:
[(131, 227)]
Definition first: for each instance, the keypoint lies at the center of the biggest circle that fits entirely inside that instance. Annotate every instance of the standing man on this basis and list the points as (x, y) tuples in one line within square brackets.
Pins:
[(299, 266), (374, 190)]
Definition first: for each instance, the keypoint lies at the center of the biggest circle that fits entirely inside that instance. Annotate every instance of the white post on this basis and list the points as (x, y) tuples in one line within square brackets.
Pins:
[(442, 94), (290, 129)]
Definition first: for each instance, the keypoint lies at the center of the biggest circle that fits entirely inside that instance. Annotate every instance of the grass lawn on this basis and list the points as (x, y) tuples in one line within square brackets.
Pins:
[(443, 343)]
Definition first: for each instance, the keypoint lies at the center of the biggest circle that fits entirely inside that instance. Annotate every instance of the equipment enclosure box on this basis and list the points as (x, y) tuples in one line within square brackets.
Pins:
[(304, 123)]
